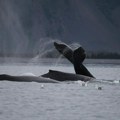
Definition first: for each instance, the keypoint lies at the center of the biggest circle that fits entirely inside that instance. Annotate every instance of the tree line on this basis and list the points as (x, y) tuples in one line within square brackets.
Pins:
[(55, 54), (104, 55)]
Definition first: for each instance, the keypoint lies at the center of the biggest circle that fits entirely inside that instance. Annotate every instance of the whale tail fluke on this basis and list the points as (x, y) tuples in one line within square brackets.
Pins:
[(79, 55), (76, 57), (65, 50), (72, 55)]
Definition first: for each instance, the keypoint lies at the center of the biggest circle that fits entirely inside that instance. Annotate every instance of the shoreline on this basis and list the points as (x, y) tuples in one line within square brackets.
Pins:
[(35, 61)]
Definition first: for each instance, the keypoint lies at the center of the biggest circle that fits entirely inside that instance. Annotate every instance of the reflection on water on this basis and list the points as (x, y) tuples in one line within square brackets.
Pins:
[(30, 101)]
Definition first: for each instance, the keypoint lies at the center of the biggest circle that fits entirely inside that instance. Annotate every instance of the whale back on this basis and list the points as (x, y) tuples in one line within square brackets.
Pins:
[(26, 79), (62, 76)]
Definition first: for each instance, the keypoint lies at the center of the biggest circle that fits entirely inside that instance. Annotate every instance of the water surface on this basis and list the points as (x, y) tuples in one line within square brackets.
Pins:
[(38, 101)]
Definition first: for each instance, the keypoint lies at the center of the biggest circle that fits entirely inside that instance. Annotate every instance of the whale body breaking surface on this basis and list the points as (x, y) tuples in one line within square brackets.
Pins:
[(76, 57)]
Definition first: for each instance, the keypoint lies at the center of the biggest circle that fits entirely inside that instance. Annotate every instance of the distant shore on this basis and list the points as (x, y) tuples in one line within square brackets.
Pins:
[(37, 61)]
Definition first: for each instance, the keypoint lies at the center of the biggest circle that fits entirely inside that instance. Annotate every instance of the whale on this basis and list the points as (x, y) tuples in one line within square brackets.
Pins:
[(25, 78), (76, 57), (53, 76), (64, 76)]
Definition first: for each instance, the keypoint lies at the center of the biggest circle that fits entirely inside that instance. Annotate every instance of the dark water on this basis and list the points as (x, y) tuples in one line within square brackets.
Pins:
[(37, 101)]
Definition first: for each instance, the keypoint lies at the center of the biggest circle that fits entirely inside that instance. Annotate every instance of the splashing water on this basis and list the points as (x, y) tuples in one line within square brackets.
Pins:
[(75, 45), (43, 48), (58, 60)]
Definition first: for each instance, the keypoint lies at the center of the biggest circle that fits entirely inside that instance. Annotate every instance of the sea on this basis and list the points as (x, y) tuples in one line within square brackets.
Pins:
[(60, 101)]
